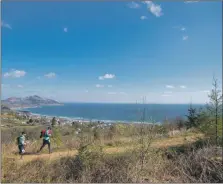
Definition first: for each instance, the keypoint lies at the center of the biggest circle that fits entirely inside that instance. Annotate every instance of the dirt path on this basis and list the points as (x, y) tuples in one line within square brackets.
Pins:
[(172, 141), (59, 154), (50, 157)]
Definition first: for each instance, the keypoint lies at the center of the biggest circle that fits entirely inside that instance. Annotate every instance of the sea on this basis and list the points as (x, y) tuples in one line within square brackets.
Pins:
[(116, 112)]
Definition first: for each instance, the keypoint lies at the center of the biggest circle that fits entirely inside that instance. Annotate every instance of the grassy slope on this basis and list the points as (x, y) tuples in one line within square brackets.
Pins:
[(159, 143), (116, 164)]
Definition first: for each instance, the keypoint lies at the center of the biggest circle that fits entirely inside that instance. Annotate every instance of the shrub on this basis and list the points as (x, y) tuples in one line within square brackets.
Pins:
[(57, 137), (192, 118), (96, 134), (199, 166), (53, 122)]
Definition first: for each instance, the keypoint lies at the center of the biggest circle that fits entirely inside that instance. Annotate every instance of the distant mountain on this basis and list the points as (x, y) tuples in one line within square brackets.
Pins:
[(5, 109), (29, 101)]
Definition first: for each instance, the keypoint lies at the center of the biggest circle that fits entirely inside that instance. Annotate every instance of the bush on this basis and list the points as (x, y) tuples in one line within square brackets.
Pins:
[(208, 127), (96, 134), (192, 118), (199, 166), (9, 135), (57, 137)]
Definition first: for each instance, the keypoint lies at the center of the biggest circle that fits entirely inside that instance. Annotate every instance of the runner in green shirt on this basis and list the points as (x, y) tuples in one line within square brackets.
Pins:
[(21, 143), (46, 139)]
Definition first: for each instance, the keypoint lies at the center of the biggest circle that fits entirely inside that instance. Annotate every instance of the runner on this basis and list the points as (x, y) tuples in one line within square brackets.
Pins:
[(46, 139), (21, 143)]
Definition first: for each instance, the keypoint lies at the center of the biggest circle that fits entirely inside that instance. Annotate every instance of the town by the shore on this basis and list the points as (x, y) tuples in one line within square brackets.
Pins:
[(33, 118)]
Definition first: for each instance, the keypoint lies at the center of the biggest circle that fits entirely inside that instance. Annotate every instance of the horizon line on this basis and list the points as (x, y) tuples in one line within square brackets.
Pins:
[(152, 103)]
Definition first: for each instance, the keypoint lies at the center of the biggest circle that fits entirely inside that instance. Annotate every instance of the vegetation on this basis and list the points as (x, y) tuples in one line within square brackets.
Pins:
[(53, 123), (141, 158), (192, 118), (215, 107)]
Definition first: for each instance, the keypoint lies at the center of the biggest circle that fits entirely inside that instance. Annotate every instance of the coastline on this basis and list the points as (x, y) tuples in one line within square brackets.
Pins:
[(83, 120), (27, 110), (69, 120)]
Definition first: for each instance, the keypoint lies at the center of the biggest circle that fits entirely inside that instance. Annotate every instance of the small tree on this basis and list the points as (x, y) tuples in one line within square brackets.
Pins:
[(146, 134), (57, 137), (30, 121), (53, 123), (180, 123), (96, 134), (215, 106), (205, 125), (192, 118)]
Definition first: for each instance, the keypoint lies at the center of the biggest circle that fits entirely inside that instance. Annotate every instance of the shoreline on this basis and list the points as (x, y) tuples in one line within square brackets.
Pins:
[(85, 120), (28, 110), (68, 120)]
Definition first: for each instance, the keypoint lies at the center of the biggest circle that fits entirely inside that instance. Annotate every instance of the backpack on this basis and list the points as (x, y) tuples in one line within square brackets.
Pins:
[(42, 133)]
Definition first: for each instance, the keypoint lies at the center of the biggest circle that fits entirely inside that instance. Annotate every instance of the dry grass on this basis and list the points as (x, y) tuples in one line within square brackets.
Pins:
[(120, 162), (176, 141), (71, 146), (199, 166), (93, 166)]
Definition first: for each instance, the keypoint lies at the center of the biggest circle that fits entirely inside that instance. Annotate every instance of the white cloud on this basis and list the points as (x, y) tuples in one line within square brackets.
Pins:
[(65, 29), (50, 75), (183, 87), (109, 76), (112, 93), (205, 91), (185, 38), (109, 86), (169, 86), (19, 86), (86, 91), (123, 93), (15, 74), (5, 25), (186, 2), (154, 8), (181, 28), (99, 86), (5, 85), (106, 76), (143, 17), (165, 95), (133, 5)]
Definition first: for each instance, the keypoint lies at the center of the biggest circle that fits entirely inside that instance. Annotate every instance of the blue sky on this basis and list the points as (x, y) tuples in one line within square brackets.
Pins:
[(111, 51)]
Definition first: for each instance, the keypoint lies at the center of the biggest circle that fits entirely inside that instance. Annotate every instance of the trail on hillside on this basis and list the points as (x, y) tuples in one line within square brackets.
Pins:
[(65, 153), (163, 143), (50, 157)]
